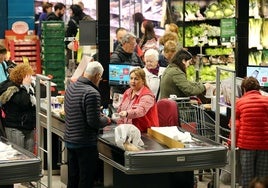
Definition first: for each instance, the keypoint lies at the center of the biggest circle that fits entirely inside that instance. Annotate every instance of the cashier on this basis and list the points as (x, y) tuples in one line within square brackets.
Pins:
[(138, 105)]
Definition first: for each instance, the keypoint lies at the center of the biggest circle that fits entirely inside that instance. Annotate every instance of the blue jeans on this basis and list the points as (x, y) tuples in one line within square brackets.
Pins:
[(82, 166)]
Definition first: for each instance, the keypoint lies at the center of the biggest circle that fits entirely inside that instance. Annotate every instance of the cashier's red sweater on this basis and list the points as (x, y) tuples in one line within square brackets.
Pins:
[(150, 119)]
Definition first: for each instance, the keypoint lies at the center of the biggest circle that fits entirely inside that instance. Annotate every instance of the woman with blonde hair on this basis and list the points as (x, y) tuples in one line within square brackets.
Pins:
[(138, 106)]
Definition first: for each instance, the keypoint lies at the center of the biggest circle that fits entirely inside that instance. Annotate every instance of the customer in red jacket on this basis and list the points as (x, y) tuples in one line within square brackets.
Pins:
[(252, 131), (138, 105)]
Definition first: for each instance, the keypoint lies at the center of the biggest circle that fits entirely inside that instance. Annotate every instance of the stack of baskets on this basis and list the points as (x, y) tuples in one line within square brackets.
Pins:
[(53, 51)]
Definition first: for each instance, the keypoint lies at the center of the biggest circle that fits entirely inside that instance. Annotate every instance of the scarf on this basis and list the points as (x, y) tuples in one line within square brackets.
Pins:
[(154, 71)]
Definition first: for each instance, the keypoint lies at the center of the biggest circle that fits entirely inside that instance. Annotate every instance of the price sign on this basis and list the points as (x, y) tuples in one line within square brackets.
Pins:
[(228, 30)]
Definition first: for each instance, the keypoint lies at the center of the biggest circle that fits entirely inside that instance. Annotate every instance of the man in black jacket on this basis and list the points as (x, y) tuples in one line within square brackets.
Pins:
[(125, 52), (59, 11), (83, 119)]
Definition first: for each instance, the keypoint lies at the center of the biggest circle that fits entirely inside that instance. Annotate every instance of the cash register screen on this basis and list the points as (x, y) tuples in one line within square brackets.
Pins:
[(260, 73), (119, 73)]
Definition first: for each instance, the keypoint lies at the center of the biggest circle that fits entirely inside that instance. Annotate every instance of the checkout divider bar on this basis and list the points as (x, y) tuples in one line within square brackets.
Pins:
[(41, 79)]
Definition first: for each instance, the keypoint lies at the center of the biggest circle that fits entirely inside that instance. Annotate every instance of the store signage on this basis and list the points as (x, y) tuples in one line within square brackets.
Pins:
[(20, 27), (228, 30)]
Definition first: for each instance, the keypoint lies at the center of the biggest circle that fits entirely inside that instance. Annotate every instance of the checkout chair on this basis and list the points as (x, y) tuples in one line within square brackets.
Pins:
[(167, 112)]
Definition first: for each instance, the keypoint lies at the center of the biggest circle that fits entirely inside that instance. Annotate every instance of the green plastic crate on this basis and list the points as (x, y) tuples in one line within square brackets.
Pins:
[(53, 65), (53, 42), (53, 49), (52, 25), (53, 57), (53, 33)]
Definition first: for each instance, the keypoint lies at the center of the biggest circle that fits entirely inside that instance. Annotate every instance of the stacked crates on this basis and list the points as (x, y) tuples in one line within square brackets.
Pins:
[(53, 51)]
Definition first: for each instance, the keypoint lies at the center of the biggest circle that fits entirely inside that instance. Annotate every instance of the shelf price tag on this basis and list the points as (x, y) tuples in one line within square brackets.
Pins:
[(228, 30)]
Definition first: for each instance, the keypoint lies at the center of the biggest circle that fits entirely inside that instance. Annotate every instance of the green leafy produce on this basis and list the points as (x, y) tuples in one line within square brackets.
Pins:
[(219, 14), (228, 12), (213, 7), (210, 14)]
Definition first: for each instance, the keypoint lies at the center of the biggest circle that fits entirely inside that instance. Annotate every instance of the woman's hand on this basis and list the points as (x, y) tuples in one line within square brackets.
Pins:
[(207, 85), (123, 114), (27, 80)]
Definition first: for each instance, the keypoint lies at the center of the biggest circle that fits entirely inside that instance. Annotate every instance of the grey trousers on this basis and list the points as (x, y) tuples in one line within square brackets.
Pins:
[(24, 139)]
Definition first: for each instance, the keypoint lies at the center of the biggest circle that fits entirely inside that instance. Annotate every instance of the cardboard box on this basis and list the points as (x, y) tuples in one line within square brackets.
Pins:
[(163, 139)]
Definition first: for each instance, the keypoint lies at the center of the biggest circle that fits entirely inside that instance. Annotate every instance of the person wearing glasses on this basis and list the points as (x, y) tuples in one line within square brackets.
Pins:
[(125, 52)]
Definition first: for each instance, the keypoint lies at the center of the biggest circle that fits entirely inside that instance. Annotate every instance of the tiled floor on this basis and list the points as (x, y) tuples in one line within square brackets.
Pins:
[(56, 183)]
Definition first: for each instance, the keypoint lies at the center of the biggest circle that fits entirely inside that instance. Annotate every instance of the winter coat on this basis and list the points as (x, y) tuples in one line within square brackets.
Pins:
[(18, 103), (153, 81), (252, 121), (53, 17), (120, 56), (174, 82), (82, 106)]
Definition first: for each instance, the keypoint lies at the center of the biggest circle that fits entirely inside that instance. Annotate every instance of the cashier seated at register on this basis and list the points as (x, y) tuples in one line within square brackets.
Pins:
[(125, 52), (138, 106)]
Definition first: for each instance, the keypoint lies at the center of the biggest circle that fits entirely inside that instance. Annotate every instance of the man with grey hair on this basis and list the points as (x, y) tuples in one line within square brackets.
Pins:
[(83, 119), (125, 53)]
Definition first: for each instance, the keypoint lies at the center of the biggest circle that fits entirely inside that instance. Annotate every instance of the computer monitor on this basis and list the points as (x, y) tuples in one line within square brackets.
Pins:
[(119, 73), (260, 73)]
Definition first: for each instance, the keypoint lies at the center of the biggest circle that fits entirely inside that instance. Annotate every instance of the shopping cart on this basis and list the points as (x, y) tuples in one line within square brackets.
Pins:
[(194, 118)]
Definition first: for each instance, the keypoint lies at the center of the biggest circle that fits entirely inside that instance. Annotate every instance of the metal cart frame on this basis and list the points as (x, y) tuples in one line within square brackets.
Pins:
[(40, 131), (194, 119)]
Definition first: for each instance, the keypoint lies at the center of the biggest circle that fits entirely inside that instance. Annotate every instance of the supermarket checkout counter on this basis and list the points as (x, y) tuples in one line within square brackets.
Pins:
[(156, 162)]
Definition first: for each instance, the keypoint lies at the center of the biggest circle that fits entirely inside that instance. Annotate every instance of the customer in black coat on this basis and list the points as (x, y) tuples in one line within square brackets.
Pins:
[(18, 102), (59, 11), (125, 53), (83, 119)]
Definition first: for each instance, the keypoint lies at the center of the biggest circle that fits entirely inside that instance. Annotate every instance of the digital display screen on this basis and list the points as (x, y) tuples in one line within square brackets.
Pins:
[(119, 74), (260, 73)]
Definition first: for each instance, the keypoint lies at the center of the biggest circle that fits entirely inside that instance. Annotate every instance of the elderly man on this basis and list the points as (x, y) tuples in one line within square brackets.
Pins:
[(83, 119), (125, 53)]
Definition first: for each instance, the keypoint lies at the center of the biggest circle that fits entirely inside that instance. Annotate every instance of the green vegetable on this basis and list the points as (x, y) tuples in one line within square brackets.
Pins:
[(213, 7), (210, 14), (219, 14), (228, 12)]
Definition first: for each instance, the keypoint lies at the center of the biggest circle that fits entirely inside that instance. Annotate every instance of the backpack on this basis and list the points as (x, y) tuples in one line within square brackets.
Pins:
[(3, 87)]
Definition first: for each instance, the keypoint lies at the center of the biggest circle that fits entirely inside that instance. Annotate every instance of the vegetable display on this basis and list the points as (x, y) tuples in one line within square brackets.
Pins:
[(208, 73)]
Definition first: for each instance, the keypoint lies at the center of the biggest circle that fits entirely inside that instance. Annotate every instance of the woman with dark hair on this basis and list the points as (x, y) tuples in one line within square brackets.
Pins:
[(138, 18), (174, 80), (76, 14), (149, 39), (252, 131), (47, 8)]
